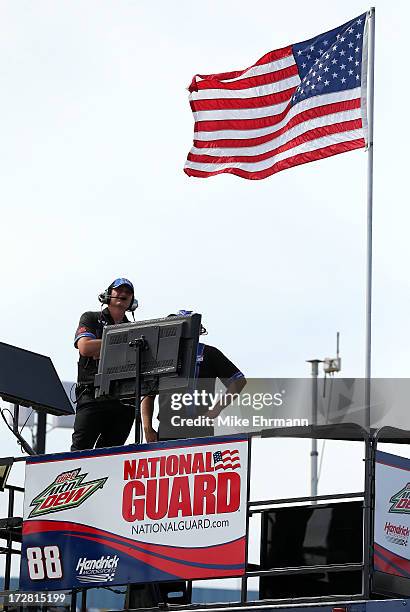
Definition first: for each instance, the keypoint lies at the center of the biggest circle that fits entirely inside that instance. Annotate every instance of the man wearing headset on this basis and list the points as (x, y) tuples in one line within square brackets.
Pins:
[(100, 422), (211, 364)]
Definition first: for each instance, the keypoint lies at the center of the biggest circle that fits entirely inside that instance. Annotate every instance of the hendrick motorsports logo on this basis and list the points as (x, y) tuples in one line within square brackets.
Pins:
[(401, 501), (396, 534), (67, 491), (97, 570)]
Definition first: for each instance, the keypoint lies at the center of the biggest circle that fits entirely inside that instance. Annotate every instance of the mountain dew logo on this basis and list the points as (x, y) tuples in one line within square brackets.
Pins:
[(66, 492), (401, 501)]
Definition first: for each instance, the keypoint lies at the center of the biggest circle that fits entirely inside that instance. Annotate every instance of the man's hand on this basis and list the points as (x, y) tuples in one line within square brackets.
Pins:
[(147, 410), (234, 388), (150, 435), (215, 411)]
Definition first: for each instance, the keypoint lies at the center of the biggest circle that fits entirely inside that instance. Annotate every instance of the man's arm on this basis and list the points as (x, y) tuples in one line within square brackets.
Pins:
[(228, 373), (235, 387), (89, 347), (86, 337), (147, 410)]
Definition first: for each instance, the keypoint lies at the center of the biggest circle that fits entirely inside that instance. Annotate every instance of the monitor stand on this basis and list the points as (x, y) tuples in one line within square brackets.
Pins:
[(140, 344)]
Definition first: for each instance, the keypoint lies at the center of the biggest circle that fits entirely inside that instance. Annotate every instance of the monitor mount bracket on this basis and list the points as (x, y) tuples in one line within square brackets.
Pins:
[(139, 344)]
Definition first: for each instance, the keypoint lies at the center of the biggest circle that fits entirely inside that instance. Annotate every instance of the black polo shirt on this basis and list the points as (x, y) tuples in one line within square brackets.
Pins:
[(211, 364), (91, 325)]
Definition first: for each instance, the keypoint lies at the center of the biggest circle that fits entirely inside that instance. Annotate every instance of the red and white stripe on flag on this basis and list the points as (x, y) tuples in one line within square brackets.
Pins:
[(298, 104), (227, 460)]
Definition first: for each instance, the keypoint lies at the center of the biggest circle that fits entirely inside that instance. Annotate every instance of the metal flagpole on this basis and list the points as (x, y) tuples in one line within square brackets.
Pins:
[(370, 117), (368, 498)]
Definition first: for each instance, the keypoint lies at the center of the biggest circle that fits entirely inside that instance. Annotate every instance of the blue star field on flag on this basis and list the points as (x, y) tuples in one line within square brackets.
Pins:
[(217, 456), (330, 62), (294, 105)]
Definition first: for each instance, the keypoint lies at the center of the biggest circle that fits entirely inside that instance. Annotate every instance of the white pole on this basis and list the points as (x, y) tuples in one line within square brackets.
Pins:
[(370, 118), (313, 452)]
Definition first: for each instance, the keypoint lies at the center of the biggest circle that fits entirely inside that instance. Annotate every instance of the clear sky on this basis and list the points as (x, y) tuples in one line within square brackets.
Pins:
[(96, 126)]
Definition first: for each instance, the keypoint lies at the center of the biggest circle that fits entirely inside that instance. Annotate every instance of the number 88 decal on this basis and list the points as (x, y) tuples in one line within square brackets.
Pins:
[(44, 563)]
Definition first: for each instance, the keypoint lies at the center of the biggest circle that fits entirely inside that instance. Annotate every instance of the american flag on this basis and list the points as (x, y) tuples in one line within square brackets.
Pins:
[(227, 460), (298, 104)]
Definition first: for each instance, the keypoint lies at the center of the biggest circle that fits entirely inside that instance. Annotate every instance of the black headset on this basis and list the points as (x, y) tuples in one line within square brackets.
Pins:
[(105, 297)]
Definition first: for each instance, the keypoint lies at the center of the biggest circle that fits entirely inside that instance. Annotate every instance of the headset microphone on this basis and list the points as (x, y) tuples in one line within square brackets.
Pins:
[(105, 296)]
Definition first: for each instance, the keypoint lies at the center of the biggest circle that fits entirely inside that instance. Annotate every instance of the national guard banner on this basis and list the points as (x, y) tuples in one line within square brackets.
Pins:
[(392, 515), (153, 512)]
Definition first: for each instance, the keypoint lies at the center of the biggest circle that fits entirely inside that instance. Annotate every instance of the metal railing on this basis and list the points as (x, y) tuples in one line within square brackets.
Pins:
[(254, 508)]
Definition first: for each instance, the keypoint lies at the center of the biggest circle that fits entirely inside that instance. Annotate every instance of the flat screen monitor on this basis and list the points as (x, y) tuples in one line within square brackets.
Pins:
[(30, 379), (167, 362)]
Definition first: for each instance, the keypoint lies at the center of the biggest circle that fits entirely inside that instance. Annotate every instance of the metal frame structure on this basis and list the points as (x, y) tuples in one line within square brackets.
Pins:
[(352, 432), (343, 432), (10, 530)]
